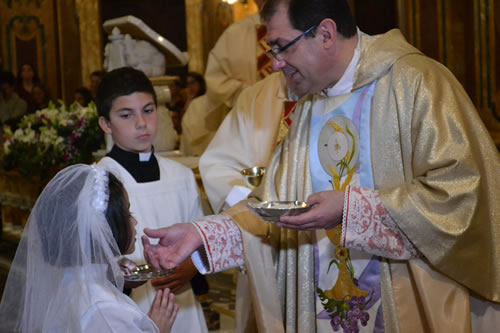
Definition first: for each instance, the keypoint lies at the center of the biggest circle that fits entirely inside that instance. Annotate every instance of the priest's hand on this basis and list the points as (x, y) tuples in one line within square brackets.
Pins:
[(326, 213), (177, 280), (176, 244)]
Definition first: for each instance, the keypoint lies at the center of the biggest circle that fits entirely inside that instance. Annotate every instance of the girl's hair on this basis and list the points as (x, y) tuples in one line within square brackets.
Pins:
[(117, 214), (64, 213)]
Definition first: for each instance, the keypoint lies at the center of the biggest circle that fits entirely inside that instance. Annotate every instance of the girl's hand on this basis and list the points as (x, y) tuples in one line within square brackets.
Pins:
[(163, 310)]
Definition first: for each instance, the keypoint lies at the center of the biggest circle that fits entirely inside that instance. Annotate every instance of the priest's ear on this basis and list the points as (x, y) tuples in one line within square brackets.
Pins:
[(105, 125), (327, 32)]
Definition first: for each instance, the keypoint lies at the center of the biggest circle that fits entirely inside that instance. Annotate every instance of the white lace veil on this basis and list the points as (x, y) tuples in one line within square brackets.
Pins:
[(66, 246)]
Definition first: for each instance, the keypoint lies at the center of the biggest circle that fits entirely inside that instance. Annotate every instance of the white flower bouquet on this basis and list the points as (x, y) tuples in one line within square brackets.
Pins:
[(51, 139)]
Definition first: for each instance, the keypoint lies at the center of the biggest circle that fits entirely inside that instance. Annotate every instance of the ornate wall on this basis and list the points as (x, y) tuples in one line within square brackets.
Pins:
[(29, 35), (64, 40), (46, 33), (460, 34)]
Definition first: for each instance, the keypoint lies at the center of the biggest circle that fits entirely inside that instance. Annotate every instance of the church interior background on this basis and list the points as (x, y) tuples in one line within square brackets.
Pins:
[(65, 40)]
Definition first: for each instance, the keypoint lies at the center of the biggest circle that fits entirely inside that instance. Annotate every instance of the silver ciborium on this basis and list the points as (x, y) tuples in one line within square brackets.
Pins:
[(253, 176)]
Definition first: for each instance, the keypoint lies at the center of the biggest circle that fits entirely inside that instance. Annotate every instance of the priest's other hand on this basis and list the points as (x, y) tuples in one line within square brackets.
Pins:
[(326, 212), (178, 279), (176, 243)]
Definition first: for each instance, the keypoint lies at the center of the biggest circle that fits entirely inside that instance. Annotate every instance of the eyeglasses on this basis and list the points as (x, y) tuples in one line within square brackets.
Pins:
[(277, 52)]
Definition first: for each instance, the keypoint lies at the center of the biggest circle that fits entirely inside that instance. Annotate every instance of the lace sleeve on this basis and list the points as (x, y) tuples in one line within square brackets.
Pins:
[(368, 227), (222, 243)]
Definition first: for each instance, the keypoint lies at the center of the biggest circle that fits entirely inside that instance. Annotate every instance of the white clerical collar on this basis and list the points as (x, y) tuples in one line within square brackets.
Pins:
[(346, 82), (144, 157)]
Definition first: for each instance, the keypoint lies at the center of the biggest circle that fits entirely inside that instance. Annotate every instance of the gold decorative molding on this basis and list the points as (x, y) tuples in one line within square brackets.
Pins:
[(28, 34), (19, 3), (194, 31), (409, 20), (485, 67), (90, 37), (206, 20)]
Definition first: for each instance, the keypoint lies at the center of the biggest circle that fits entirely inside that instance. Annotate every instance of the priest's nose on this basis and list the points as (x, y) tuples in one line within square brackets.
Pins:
[(278, 64)]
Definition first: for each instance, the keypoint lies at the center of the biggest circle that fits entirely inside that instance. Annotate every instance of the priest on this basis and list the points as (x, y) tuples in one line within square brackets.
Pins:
[(403, 183)]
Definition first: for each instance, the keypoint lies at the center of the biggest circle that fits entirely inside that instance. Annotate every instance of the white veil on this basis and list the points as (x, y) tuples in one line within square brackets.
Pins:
[(66, 246)]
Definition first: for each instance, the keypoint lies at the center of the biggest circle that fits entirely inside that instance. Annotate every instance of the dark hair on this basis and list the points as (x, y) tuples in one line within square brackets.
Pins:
[(304, 14), (85, 93), (117, 214), (43, 88), (47, 98), (7, 77), (119, 82), (201, 81), (99, 74), (19, 81), (55, 208)]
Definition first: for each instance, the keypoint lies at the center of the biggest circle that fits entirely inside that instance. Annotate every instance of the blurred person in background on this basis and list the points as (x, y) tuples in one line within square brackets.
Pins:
[(26, 80), (12, 107), (195, 86), (41, 96), (237, 61), (82, 96), (176, 103), (95, 80)]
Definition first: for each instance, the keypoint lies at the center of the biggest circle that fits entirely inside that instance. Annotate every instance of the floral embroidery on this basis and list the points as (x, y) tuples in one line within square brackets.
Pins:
[(222, 242), (369, 228), (346, 313)]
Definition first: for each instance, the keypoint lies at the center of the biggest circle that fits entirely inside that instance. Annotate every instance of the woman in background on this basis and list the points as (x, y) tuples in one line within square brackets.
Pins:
[(26, 80)]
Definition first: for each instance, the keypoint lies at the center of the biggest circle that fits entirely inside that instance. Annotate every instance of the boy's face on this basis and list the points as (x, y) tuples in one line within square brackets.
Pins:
[(132, 122)]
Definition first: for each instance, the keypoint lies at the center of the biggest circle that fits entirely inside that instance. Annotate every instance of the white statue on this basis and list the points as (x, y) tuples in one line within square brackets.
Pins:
[(139, 54), (114, 53)]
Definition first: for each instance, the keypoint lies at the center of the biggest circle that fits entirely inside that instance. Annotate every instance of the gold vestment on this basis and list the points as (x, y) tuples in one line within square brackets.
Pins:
[(437, 171)]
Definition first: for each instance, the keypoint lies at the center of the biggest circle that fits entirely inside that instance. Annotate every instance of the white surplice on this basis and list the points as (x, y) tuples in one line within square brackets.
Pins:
[(174, 198), (166, 136), (247, 138), (231, 67)]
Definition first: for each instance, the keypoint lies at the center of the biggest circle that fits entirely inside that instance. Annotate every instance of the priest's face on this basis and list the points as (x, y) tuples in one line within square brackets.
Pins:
[(133, 121), (300, 62)]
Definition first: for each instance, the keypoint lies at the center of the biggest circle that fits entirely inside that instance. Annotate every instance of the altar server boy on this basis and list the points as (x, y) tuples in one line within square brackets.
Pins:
[(161, 191)]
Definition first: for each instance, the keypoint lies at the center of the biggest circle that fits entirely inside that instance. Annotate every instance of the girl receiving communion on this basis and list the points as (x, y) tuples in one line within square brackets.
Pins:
[(65, 276)]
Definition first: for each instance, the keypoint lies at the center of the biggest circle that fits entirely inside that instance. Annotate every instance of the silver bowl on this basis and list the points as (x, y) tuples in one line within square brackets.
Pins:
[(253, 176), (146, 272), (271, 211)]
